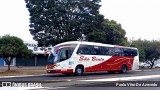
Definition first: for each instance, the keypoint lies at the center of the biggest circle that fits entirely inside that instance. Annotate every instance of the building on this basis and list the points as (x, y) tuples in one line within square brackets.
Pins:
[(3, 63), (38, 59)]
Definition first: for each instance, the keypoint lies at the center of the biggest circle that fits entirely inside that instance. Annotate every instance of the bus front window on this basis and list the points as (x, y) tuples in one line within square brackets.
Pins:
[(60, 54), (52, 57), (63, 54)]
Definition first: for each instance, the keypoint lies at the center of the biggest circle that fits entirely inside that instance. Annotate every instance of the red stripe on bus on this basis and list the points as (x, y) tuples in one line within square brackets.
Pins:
[(114, 63)]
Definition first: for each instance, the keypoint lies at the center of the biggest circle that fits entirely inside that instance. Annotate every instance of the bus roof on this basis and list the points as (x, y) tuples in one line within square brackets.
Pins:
[(84, 42), (92, 43)]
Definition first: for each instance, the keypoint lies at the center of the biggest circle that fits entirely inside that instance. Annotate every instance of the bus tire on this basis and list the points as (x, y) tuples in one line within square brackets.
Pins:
[(79, 71), (67, 74), (111, 72), (124, 69)]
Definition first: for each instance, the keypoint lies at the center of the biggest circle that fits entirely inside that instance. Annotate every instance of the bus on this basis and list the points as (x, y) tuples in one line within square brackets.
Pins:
[(77, 57)]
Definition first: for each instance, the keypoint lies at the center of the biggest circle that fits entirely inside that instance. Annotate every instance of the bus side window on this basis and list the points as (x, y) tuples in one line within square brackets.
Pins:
[(62, 54), (136, 52), (105, 51), (117, 51), (80, 49), (84, 49), (92, 50), (129, 52), (70, 52), (97, 50), (133, 52), (126, 52), (110, 51)]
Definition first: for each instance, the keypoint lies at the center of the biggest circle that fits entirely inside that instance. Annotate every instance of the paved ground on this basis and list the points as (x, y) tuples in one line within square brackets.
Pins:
[(61, 77), (75, 84), (62, 82)]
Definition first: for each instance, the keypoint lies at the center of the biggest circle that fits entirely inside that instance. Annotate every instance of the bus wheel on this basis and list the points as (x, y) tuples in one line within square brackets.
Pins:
[(111, 72), (79, 71), (67, 74), (124, 69)]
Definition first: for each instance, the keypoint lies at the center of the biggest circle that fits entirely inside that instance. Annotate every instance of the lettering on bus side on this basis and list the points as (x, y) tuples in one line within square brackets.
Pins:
[(97, 59), (94, 58), (83, 58)]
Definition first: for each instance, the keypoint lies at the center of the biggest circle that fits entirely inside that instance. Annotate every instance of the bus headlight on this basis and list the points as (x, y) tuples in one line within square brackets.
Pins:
[(51, 66)]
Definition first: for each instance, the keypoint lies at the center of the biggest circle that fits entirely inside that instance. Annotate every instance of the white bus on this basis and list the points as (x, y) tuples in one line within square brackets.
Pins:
[(79, 56)]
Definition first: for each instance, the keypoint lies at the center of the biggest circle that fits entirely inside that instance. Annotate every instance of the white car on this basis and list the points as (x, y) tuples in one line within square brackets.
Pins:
[(144, 65), (157, 66)]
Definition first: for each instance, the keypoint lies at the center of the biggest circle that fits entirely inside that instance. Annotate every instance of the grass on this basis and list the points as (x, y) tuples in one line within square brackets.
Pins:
[(22, 72)]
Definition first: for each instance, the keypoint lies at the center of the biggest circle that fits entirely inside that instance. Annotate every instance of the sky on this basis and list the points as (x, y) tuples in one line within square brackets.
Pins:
[(139, 18)]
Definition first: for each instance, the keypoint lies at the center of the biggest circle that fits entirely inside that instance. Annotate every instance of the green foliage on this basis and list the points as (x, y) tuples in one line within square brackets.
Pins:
[(111, 33), (152, 51), (55, 21), (139, 44), (11, 47), (97, 37), (114, 33), (149, 50)]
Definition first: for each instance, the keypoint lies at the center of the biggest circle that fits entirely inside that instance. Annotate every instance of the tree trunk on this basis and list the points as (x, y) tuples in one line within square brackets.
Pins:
[(9, 67), (8, 62)]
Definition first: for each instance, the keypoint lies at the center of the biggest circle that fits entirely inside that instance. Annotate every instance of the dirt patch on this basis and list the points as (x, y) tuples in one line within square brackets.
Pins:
[(22, 72)]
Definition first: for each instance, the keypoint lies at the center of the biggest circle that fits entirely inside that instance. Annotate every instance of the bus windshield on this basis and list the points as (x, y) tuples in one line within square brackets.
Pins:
[(60, 53)]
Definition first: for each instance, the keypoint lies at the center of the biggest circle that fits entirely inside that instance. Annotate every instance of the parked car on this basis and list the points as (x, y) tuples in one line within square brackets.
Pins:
[(144, 65), (157, 66)]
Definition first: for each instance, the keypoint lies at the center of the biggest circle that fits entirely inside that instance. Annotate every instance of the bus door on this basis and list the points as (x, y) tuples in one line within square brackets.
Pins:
[(93, 58), (84, 56), (97, 58)]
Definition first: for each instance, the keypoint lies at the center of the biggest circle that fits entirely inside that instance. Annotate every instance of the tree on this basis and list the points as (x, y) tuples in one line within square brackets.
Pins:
[(55, 21), (150, 50), (139, 44), (97, 37), (115, 34), (11, 47)]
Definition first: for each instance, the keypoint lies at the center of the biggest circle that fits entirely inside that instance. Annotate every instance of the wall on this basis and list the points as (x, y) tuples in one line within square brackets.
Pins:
[(1, 62), (41, 61)]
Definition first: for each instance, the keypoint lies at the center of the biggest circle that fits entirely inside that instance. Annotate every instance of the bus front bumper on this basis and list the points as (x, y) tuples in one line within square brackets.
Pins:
[(60, 71)]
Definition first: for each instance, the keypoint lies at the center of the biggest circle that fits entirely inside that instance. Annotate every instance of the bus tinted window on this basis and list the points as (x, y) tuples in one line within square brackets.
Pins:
[(126, 52), (84, 49), (107, 51), (133, 52), (117, 51), (95, 50), (129, 52)]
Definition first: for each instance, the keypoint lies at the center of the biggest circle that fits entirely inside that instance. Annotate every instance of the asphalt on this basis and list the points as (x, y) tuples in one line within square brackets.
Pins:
[(62, 77), (62, 82)]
